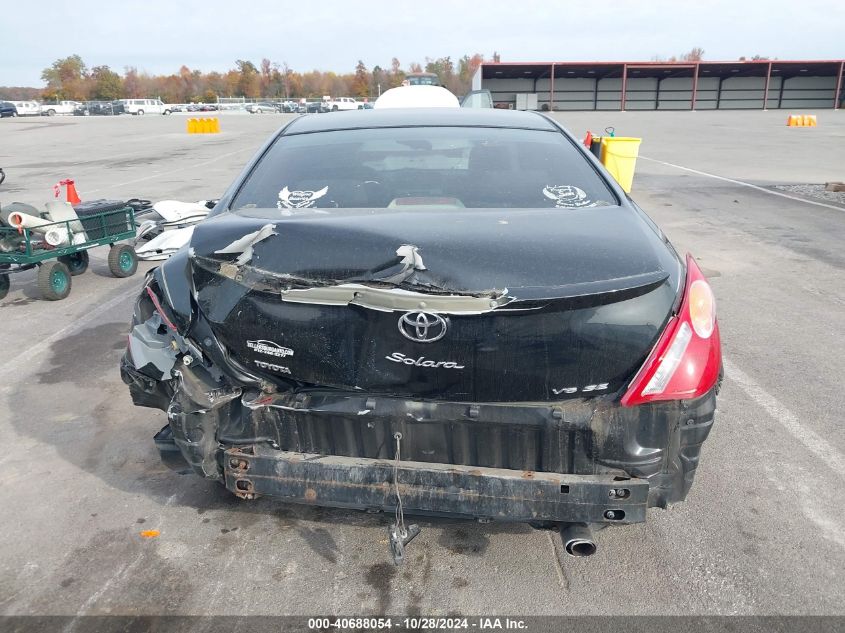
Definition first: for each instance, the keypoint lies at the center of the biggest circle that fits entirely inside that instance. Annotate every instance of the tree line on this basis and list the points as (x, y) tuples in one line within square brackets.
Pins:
[(70, 78)]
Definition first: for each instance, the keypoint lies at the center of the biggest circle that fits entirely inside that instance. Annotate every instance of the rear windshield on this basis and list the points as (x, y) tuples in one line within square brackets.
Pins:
[(440, 167)]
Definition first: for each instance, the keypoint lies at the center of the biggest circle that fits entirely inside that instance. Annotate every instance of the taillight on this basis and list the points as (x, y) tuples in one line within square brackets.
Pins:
[(687, 359)]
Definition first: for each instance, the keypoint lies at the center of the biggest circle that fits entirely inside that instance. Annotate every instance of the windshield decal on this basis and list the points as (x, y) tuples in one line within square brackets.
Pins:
[(299, 199), (567, 196)]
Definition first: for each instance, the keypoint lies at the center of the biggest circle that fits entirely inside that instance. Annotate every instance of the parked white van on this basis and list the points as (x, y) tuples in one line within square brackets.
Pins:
[(145, 106), (27, 108)]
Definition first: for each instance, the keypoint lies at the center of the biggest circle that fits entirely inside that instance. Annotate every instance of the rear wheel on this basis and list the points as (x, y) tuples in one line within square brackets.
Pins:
[(54, 280), (4, 286), (76, 263), (123, 262), (51, 112), (140, 113)]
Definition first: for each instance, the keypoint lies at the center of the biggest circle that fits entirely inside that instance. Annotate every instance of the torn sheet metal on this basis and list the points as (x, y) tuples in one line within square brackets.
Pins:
[(410, 256), (388, 299), (411, 260), (244, 244)]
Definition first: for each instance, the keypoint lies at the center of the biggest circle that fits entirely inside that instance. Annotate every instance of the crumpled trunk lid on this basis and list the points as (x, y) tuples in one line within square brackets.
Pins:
[(580, 297)]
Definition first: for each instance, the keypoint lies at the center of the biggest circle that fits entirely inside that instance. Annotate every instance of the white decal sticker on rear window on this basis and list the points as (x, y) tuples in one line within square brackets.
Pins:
[(567, 196), (299, 199)]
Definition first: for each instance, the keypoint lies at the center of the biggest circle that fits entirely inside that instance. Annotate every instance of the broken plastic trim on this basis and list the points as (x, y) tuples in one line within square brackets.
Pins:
[(299, 290), (389, 299), (295, 289)]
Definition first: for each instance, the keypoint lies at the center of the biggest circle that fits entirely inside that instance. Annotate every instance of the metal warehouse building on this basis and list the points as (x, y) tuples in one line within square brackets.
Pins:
[(663, 86)]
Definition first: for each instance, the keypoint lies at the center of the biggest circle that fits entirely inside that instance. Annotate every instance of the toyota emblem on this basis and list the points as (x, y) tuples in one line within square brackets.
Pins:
[(422, 327)]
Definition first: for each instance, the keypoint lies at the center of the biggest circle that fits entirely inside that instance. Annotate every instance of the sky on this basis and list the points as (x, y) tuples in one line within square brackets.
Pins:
[(159, 36)]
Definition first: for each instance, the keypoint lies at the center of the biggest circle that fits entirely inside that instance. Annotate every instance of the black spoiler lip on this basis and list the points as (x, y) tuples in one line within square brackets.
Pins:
[(586, 295)]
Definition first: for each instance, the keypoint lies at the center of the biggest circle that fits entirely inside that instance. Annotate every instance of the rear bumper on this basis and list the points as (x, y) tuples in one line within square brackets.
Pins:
[(544, 462), (441, 489)]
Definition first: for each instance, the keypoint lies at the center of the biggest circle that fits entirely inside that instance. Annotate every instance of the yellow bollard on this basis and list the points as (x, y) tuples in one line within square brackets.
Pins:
[(802, 120), (203, 126)]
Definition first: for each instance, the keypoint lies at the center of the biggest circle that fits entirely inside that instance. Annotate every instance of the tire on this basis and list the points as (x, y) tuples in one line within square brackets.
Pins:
[(51, 112), (54, 280), (14, 114), (140, 113), (166, 112), (4, 286), (123, 262), (334, 108), (76, 263)]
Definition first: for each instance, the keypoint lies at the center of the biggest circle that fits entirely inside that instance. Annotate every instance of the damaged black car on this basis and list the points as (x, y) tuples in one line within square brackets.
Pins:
[(442, 312)]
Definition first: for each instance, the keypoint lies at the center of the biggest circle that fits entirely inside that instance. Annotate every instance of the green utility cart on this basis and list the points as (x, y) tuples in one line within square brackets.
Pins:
[(25, 248)]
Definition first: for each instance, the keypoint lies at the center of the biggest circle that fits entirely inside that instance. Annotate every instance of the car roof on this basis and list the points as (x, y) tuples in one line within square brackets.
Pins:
[(420, 117)]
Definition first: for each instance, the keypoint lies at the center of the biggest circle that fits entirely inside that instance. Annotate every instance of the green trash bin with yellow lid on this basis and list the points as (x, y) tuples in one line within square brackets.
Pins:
[(619, 156)]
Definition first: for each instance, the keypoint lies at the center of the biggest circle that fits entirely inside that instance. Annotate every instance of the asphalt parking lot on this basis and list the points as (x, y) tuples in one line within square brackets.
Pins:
[(761, 532)]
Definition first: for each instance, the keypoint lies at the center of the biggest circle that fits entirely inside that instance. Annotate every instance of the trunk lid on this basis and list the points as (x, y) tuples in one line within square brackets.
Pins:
[(580, 297)]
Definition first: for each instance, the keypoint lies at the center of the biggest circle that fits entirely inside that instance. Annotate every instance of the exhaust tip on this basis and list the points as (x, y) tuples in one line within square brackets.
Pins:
[(578, 539), (579, 547)]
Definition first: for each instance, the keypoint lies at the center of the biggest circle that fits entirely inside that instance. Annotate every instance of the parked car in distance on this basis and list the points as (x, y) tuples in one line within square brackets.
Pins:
[(81, 109), (261, 108), (7, 109), (59, 107), (365, 106), (103, 108), (27, 108), (342, 103), (489, 327), (139, 107), (315, 106)]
